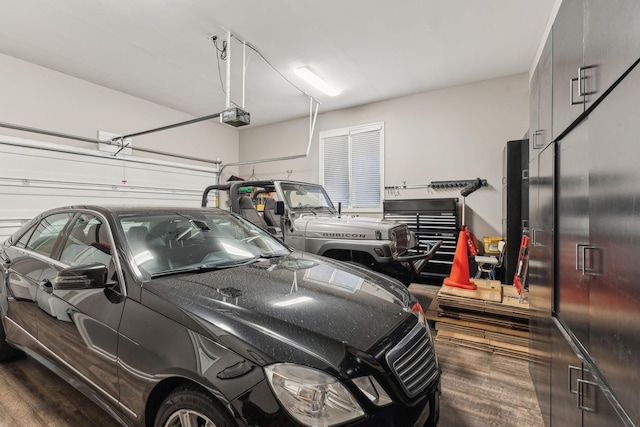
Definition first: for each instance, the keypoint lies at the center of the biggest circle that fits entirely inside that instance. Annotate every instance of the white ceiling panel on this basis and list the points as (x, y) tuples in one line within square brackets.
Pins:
[(160, 50)]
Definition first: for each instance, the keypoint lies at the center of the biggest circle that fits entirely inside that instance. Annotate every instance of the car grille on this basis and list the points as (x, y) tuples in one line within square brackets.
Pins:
[(402, 238), (413, 361)]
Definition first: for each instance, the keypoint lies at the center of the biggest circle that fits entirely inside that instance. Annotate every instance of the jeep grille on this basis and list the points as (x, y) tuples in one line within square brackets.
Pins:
[(402, 238), (413, 361)]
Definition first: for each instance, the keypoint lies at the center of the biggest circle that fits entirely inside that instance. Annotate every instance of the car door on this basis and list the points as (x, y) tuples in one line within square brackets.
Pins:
[(79, 326), (25, 262)]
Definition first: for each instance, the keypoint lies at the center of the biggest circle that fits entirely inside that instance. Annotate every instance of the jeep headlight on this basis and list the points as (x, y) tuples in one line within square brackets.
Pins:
[(393, 237), (312, 397), (394, 243)]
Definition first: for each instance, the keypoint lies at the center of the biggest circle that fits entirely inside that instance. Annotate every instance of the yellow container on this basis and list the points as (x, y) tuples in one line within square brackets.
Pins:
[(491, 244)]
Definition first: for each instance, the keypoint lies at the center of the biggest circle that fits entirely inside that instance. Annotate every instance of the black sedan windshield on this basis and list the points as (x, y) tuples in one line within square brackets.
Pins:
[(162, 243)]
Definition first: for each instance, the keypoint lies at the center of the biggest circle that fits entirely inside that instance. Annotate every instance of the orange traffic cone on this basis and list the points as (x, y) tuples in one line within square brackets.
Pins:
[(459, 276)]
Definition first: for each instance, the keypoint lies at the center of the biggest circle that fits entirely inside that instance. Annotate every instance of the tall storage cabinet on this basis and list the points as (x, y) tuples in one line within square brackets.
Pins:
[(541, 208), (609, 254), (515, 202), (541, 254), (584, 272)]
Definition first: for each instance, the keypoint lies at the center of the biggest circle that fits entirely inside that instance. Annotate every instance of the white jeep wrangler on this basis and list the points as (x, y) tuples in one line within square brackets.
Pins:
[(304, 217)]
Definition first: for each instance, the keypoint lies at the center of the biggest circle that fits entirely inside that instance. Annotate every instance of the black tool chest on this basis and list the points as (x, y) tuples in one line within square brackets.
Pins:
[(431, 220)]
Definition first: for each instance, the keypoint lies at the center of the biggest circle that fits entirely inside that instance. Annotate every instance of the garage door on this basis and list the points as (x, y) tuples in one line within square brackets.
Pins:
[(35, 176)]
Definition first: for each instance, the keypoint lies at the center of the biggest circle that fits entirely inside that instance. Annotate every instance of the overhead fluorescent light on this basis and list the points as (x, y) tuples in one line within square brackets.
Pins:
[(311, 78)]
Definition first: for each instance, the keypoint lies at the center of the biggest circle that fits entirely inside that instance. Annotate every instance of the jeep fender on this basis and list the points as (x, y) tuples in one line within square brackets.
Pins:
[(366, 246)]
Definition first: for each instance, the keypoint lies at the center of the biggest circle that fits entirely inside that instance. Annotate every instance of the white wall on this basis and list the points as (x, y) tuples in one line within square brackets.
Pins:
[(38, 97), (450, 134)]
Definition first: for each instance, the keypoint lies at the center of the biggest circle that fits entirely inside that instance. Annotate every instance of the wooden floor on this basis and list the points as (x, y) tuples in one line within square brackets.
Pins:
[(478, 389), (483, 389)]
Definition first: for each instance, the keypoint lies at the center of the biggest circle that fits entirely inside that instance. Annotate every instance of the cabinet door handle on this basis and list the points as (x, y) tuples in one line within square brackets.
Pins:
[(597, 267), (582, 386), (534, 143), (570, 376), (582, 78), (593, 253), (579, 254), (534, 237), (571, 82)]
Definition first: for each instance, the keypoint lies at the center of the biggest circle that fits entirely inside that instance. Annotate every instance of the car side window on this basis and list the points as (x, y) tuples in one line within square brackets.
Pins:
[(87, 242), (44, 237), (22, 242)]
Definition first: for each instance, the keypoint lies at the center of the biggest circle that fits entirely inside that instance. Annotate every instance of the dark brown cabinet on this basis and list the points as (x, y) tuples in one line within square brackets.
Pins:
[(598, 239), (541, 254), (540, 116), (585, 219), (566, 370), (577, 398), (515, 203), (572, 289), (611, 255), (594, 43), (611, 35), (567, 59)]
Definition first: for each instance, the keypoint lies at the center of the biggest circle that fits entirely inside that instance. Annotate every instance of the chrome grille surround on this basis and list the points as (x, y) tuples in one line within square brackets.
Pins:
[(413, 361)]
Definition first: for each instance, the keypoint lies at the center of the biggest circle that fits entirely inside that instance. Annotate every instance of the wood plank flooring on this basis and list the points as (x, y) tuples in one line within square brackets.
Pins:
[(31, 395), (483, 389), (479, 389)]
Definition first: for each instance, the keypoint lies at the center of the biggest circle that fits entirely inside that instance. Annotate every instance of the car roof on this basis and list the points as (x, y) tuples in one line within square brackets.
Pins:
[(131, 209)]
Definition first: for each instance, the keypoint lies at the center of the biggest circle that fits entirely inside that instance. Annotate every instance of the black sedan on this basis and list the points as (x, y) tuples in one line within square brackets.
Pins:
[(195, 317)]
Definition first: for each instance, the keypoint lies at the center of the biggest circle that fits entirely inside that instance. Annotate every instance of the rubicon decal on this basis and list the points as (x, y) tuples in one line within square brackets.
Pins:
[(347, 235)]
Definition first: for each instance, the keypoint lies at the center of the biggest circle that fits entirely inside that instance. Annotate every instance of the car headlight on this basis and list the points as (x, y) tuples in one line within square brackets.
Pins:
[(310, 396)]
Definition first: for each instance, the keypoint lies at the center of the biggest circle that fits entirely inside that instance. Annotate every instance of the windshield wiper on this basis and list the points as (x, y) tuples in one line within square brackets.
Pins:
[(237, 263), (205, 267)]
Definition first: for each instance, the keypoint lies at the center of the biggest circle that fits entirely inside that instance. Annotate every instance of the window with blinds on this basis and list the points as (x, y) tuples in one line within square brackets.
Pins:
[(351, 166)]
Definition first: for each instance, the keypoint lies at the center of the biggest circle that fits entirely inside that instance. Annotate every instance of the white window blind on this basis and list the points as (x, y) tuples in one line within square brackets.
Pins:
[(352, 168)]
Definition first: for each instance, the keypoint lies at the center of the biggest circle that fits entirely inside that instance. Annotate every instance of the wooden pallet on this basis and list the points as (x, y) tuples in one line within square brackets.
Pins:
[(488, 345), (508, 305), (488, 321), (482, 333), (477, 319), (486, 290)]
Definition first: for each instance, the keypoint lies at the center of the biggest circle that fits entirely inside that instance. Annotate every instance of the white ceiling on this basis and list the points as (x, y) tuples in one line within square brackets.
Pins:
[(371, 50)]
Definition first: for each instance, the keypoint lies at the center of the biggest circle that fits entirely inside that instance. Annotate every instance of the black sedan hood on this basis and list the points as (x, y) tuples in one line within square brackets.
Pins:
[(288, 305)]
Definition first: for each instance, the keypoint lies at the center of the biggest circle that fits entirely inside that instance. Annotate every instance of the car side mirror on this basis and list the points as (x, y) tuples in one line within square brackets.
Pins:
[(89, 276), (279, 209)]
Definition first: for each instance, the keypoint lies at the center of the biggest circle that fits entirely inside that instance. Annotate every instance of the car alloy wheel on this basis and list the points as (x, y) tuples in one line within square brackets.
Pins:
[(192, 406), (189, 418)]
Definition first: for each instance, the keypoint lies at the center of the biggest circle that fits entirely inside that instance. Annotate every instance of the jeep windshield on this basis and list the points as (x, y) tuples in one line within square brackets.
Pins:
[(306, 197), (166, 242)]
